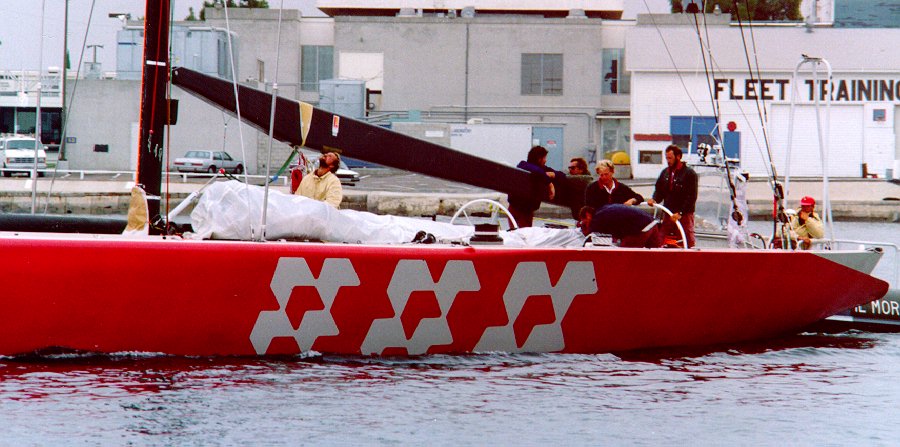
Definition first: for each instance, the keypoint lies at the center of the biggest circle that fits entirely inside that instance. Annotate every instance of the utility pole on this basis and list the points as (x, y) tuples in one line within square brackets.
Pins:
[(61, 155), (94, 72), (94, 46)]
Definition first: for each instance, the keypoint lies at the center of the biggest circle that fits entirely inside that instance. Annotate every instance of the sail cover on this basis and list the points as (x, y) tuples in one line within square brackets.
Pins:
[(232, 210)]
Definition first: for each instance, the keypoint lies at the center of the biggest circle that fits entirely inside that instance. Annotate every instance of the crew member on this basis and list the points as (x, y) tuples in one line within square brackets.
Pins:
[(577, 181), (806, 224), (522, 207), (630, 226), (322, 184), (607, 189), (676, 189)]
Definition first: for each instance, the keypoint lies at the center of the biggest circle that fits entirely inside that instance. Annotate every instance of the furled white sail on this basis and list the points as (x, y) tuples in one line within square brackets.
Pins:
[(231, 210)]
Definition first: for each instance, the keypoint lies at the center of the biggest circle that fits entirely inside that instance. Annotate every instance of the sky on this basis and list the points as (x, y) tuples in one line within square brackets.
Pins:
[(20, 27)]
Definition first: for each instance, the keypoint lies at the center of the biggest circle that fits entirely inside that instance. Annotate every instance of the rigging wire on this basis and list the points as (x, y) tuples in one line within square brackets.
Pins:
[(672, 59), (760, 103), (262, 233), (37, 137), (68, 114), (237, 105), (167, 150), (778, 193), (706, 51)]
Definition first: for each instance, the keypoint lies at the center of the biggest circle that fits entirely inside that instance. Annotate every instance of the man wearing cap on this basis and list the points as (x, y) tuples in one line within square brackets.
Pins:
[(806, 224)]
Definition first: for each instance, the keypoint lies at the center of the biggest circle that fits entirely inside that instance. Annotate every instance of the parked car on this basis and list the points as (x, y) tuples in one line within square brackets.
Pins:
[(208, 161), (347, 175), (17, 155)]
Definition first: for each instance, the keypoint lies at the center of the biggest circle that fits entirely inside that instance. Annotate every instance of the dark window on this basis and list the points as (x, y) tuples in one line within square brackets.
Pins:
[(615, 79), (650, 157), (542, 74), (316, 64), (101, 148)]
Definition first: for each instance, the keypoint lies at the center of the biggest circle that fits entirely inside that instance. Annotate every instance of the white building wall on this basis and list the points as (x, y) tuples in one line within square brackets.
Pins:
[(668, 79)]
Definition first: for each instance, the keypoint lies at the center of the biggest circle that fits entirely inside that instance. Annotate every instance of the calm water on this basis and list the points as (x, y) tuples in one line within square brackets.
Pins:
[(809, 389)]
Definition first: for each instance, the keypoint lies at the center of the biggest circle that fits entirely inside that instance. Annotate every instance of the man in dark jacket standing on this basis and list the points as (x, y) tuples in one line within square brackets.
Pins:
[(676, 189)]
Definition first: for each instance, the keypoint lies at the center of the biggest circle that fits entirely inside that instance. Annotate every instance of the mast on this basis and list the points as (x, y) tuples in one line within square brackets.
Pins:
[(153, 104)]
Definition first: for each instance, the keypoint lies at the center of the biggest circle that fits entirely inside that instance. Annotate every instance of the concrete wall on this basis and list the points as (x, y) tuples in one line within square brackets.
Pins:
[(459, 69), (103, 112), (258, 32)]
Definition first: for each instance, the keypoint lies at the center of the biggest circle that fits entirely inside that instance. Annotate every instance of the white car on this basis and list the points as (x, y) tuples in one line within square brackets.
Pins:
[(208, 161), (17, 155)]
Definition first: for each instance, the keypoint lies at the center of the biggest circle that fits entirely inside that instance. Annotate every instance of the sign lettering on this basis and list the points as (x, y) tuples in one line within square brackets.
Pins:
[(840, 90)]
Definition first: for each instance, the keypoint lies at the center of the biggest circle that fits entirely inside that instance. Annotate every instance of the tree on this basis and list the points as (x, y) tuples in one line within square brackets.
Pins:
[(232, 4), (755, 10)]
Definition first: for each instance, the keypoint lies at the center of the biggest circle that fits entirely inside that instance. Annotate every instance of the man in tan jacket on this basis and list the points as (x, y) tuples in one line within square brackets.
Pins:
[(806, 225), (322, 184)]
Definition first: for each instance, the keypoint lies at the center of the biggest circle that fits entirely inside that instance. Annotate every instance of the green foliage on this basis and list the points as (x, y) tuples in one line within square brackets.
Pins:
[(232, 4), (750, 10), (191, 17)]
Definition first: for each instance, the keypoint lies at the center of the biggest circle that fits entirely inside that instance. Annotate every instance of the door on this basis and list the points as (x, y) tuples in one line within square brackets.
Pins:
[(552, 139)]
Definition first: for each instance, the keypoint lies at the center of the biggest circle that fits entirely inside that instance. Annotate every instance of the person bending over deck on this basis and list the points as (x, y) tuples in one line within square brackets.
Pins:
[(607, 190), (676, 188), (630, 226), (806, 224), (585, 216), (322, 184), (522, 207)]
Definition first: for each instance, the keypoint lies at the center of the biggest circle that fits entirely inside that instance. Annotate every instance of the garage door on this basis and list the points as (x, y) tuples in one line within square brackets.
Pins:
[(845, 145)]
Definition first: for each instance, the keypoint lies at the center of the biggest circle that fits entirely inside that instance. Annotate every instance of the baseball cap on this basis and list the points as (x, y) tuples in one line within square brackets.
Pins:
[(807, 201)]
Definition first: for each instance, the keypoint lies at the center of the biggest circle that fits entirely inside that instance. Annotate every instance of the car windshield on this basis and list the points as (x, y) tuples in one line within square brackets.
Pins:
[(20, 144), (197, 154)]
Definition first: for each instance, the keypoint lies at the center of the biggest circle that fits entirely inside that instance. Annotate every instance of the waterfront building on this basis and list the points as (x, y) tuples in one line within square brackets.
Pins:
[(499, 76)]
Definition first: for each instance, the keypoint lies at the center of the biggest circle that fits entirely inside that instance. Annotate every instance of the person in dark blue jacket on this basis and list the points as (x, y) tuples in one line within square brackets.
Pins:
[(522, 207), (630, 226)]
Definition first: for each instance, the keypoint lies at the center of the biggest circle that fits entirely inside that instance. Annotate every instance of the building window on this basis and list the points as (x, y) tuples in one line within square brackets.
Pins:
[(615, 136), (689, 131), (317, 63), (542, 74), (650, 157), (615, 79)]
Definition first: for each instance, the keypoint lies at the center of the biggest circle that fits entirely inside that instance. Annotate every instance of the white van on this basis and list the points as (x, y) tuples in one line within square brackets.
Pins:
[(17, 155)]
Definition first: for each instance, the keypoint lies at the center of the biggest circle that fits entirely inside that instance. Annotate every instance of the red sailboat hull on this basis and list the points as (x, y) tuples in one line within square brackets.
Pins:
[(245, 298)]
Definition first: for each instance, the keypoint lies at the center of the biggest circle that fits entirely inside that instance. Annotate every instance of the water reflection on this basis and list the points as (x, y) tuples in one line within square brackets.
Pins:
[(659, 395)]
